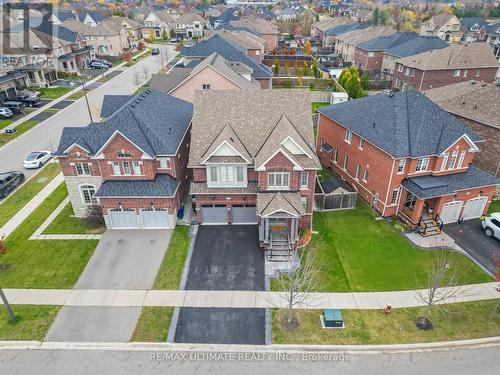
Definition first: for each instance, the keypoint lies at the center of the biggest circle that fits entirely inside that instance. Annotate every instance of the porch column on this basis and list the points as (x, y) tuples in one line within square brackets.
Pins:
[(417, 210), (266, 232)]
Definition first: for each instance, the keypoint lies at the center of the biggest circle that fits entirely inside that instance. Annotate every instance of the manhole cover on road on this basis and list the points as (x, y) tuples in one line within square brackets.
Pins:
[(42, 180)]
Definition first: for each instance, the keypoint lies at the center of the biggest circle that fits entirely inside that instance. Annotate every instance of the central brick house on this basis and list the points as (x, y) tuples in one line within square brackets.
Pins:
[(406, 156), (133, 164), (253, 162)]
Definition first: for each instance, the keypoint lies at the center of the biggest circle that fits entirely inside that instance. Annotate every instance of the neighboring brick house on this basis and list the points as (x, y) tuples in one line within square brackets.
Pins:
[(330, 36), (158, 25), (231, 52), (268, 30), (436, 68), (477, 104), (407, 157), (368, 56), (444, 26), (190, 26), (319, 28), (253, 162), (212, 73), (345, 44), (133, 164), (251, 43)]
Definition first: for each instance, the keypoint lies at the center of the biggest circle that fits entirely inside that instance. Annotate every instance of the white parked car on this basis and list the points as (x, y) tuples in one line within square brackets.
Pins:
[(36, 159), (491, 225)]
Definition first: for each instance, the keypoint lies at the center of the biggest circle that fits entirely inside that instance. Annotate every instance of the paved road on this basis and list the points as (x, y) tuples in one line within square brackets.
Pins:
[(470, 236), (46, 135), (482, 361)]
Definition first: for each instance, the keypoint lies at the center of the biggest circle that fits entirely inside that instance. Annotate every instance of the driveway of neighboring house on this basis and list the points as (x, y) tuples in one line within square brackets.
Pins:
[(123, 259), (470, 236), (225, 257)]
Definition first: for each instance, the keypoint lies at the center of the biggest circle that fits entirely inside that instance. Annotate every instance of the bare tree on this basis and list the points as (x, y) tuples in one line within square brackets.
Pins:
[(442, 287), (145, 70), (299, 283), (137, 78)]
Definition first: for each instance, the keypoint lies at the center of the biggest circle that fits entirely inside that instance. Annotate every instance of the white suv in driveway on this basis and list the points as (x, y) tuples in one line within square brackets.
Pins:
[(491, 225)]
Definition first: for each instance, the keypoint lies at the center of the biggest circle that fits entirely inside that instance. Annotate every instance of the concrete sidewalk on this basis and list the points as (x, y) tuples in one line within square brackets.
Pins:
[(31, 206), (232, 299)]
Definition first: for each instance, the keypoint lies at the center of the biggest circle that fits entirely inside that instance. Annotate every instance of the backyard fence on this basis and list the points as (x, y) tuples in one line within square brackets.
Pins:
[(336, 201)]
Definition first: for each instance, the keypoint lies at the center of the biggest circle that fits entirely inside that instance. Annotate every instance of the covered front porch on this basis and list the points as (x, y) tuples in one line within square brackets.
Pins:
[(421, 213)]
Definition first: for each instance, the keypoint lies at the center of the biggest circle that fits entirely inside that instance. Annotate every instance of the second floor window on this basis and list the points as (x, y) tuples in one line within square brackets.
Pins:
[(126, 168), (401, 166), (461, 159), (346, 162), (137, 168), (82, 169), (226, 175), (278, 179), (348, 136), (456, 73), (365, 176), (206, 86), (358, 171), (445, 162), (304, 180), (422, 164), (453, 159), (164, 162), (116, 168), (361, 143)]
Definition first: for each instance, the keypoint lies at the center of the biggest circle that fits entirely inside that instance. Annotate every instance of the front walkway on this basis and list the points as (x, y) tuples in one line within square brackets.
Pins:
[(231, 299)]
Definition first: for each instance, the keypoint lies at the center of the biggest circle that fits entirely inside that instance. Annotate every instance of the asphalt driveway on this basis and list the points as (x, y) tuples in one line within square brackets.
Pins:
[(123, 259), (225, 257), (470, 236)]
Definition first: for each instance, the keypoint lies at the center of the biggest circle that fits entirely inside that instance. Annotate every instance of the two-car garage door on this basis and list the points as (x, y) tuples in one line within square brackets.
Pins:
[(126, 218), (218, 214), (473, 208)]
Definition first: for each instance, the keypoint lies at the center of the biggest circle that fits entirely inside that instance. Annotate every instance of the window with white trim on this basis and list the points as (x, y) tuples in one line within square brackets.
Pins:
[(478, 72), (304, 180), (226, 175), (365, 176), (278, 179), (400, 67), (453, 159), (83, 169), (394, 197), (422, 164), (126, 168), (336, 158), (164, 163), (137, 168), (465, 73), (461, 159), (348, 136), (456, 73), (206, 86), (401, 165), (358, 171), (445, 162), (116, 168), (87, 192), (397, 83), (361, 143), (346, 162), (303, 200)]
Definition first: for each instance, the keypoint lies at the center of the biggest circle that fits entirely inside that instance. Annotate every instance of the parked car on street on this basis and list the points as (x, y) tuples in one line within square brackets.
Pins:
[(5, 112), (30, 100), (155, 51), (36, 159), (9, 181), (16, 107), (98, 65), (105, 62), (174, 40), (491, 225)]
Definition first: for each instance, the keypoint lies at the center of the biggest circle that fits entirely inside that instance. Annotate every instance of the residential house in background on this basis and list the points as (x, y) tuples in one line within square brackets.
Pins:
[(253, 162), (268, 30), (445, 26), (231, 52), (455, 63), (251, 43), (369, 55), (410, 48), (131, 27), (287, 15), (133, 164), (330, 36), (10, 83), (319, 28), (408, 157), (59, 16), (471, 26), (190, 26), (477, 104), (345, 44), (491, 35), (212, 73), (91, 18), (157, 25)]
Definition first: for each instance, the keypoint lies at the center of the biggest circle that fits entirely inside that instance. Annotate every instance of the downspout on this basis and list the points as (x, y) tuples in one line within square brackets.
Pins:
[(389, 187), (421, 80)]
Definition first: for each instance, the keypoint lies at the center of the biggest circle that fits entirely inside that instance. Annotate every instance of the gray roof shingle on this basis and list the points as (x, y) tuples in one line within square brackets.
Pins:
[(385, 42), (436, 186), (404, 124), (163, 185), (111, 103), (417, 45)]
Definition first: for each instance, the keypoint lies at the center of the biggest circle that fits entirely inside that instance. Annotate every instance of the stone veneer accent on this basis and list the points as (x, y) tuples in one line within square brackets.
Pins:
[(73, 183)]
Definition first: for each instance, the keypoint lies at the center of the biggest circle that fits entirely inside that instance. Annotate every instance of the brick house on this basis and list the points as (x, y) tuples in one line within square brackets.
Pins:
[(231, 52), (253, 162), (444, 26), (441, 67), (133, 164), (251, 43), (266, 29), (407, 157), (477, 105), (345, 44)]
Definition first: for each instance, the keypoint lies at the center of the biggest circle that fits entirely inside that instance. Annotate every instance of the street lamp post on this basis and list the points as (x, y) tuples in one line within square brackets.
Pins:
[(84, 81), (7, 306)]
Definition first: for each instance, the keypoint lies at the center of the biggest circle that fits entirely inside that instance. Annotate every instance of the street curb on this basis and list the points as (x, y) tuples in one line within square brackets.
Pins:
[(169, 347)]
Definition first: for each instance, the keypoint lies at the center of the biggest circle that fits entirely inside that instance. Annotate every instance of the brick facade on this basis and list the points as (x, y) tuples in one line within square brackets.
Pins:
[(368, 61)]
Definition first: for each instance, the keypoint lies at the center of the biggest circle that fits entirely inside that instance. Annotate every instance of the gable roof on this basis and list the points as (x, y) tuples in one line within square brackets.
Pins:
[(229, 51), (417, 45), (258, 24), (385, 42), (362, 35), (166, 82), (345, 28), (439, 20), (96, 16), (403, 124), (153, 121), (493, 29), (455, 56), (269, 203), (478, 101), (469, 22), (112, 103), (243, 38), (253, 116)]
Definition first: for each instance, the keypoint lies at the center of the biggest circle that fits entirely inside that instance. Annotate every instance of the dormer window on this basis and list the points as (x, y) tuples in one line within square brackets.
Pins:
[(422, 165), (453, 159)]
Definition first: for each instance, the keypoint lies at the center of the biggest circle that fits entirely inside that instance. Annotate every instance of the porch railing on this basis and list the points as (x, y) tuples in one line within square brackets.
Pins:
[(427, 226)]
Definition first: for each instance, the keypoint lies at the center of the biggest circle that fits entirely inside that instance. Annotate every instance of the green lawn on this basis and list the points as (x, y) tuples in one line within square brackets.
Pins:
[(22, 128), (153, 324), (459, 321), (5, 122), (316, 105), (42, 263), (66, 223), (494, 206), (53, 92), (169, 275), (355, 252), (77, 95), (32, 322), (26, 192), (140, 89)]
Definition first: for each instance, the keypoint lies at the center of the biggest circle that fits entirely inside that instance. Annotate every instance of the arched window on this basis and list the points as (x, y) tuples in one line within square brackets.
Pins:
[(87, 192)]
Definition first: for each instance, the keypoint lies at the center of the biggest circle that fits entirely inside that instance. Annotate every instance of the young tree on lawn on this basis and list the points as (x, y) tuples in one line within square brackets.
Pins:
[(164, 34), (141, 45), (307, 48), (298, 284), (145, 70), (3, 251), (137, 78), (94, 215), (305, 69), (276, 67), (315, 69), (442, 287), (127, 55)]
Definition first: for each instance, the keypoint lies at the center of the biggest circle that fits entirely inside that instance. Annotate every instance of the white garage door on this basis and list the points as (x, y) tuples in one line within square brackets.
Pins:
[(244, 214), (474, 208), (216, 214), (450, 212), (123, 218), (154, 218)]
